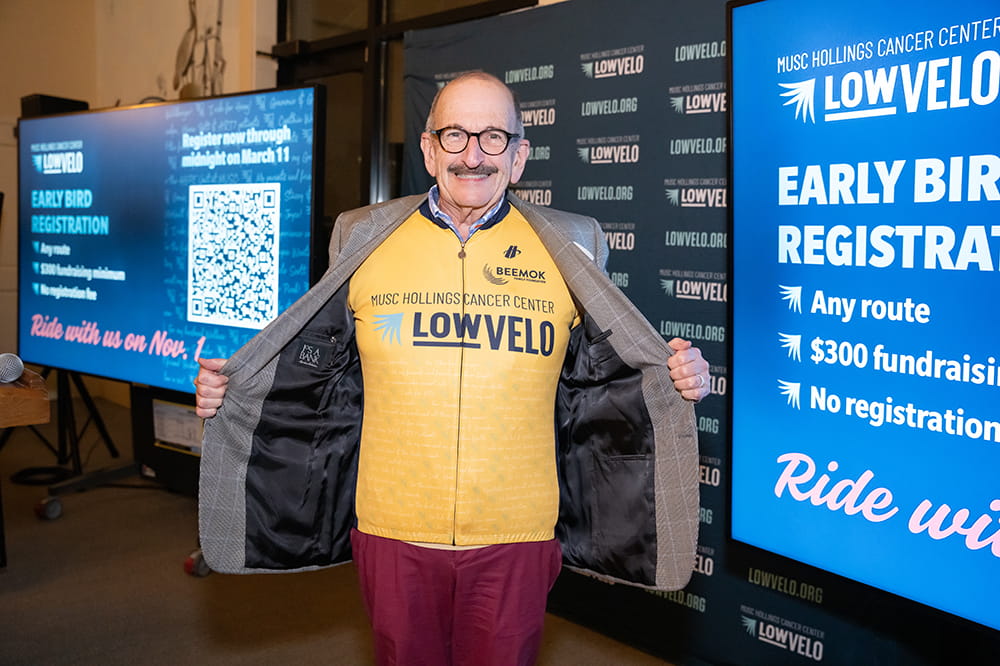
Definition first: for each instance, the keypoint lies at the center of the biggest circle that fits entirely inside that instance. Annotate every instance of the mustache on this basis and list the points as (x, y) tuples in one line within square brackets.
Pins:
[(481, 170)]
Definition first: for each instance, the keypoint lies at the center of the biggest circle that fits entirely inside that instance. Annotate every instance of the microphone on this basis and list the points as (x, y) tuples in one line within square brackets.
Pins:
[(11, 368)]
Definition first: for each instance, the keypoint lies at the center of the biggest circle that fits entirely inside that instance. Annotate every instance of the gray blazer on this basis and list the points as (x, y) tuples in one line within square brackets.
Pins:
[(628, 491)]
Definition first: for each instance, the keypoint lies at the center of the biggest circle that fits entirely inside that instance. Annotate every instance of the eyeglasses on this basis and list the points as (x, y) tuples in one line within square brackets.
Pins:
[(491, 141)]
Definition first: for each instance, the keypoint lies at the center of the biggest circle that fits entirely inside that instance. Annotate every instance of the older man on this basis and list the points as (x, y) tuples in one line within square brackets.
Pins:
[(461, 403)]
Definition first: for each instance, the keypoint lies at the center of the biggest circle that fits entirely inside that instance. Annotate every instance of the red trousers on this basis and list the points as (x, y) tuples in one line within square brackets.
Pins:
[(483, 606)]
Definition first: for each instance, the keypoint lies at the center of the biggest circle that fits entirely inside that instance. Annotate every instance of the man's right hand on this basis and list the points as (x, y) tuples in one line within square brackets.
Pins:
[(210, 387)]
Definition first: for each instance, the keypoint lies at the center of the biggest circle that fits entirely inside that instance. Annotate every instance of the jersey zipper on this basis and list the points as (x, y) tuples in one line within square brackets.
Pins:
[(461, 382)]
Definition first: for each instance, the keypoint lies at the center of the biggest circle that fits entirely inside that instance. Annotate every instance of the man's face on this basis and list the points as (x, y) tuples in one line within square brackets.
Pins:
[(472, 180)]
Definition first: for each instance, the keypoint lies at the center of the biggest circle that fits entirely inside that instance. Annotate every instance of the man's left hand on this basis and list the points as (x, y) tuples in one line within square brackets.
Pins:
[(688, 370)]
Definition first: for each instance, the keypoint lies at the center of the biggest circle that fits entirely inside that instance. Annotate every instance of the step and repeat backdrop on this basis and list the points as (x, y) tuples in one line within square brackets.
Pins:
[(625, 104)]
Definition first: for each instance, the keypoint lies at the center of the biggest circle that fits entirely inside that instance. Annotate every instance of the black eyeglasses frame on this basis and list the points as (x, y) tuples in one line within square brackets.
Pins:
[(468, 135)]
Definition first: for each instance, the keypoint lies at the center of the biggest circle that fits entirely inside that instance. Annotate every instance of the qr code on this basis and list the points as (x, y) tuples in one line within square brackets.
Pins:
[(233, 253)]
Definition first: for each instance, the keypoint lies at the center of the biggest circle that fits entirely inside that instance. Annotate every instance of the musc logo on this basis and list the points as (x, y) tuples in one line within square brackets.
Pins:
[(696, 197), (613, 154), (58, 163), (540, 116), (608, 67), (780, 637), (540, 196), (699, 103), (695, 290), (933, 85)]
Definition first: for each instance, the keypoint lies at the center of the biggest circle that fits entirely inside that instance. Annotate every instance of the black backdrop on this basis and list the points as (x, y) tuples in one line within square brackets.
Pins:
[(625, 106)]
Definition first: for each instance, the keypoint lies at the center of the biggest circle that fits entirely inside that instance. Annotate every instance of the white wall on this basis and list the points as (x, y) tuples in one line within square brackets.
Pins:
[(138, 43), (107, 53)]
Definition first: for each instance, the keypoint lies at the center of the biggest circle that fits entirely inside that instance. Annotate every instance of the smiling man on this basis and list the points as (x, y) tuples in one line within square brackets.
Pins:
[(462, 403), (473, 177)]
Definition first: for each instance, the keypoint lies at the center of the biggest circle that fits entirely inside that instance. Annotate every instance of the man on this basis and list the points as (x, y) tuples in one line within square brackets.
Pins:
[(468, 319)]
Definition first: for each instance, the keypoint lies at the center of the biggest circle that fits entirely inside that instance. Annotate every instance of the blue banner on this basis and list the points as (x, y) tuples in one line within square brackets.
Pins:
[(866, 251)]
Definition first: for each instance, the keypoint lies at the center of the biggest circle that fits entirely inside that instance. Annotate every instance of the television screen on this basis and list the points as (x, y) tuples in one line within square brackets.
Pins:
[(866, 249), (152, 235)]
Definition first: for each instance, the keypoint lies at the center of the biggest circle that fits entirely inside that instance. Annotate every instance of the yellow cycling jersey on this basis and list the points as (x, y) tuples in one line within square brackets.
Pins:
[(461, 348)]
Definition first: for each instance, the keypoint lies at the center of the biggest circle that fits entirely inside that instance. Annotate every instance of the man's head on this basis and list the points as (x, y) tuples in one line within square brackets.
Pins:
[(471, 180)]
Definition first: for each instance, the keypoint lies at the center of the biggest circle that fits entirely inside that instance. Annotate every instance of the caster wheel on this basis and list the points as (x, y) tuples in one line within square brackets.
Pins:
[(49, 508), (195, 565)]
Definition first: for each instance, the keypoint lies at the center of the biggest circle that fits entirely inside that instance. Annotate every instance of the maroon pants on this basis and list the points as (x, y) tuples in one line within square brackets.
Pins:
[(483, 606)]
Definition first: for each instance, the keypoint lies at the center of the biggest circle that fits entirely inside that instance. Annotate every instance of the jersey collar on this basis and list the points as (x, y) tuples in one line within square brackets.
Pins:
[(432, 211)]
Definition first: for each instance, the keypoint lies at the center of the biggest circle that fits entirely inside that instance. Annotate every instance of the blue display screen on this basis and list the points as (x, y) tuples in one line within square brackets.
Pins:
[(153, 235), (866, 250)]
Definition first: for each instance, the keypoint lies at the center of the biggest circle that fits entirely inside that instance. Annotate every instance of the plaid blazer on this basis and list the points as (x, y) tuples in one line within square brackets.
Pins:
[(279, 460)]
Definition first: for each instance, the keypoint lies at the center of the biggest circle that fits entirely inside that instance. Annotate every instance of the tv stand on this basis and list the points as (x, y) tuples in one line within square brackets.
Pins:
[(61, 479)]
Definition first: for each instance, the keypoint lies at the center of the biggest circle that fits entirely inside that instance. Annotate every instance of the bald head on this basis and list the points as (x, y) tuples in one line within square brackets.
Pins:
[(456, 84)]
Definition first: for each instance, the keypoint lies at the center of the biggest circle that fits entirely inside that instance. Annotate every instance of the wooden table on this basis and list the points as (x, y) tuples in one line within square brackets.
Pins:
[(22, 402)]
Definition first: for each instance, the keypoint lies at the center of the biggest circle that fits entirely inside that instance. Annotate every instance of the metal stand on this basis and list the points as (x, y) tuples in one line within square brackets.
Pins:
[(62, 479)]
